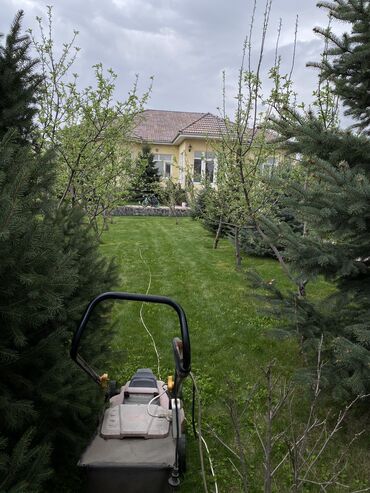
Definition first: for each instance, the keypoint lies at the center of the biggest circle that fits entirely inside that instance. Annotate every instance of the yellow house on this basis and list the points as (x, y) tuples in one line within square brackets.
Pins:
[(181, 143)]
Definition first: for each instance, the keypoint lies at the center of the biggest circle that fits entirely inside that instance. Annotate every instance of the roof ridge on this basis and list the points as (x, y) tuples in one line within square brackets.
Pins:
[(192, 123), (176, 111), (167, 126)]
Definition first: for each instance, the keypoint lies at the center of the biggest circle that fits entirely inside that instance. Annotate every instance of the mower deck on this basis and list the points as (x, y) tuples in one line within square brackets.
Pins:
[(135, 446), (128, 465)]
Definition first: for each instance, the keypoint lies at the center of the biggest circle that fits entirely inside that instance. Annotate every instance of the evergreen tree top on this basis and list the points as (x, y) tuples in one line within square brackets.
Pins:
[(349, 68), (18, 82)]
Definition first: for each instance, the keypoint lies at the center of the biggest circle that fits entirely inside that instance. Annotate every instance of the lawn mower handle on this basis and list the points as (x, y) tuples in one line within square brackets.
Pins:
[(182, 366)]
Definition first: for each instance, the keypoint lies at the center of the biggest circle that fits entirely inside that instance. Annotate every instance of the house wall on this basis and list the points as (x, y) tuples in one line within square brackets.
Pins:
[(201, 145), (174, 151), (163, 149)]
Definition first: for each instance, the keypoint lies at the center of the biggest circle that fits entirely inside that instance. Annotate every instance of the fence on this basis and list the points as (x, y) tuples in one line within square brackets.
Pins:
[(139, 210)]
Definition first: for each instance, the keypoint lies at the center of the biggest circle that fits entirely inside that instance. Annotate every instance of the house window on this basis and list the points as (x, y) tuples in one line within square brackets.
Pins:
[(167, 170), (210, 169), (204, 166), (197, 166), (163, 163), (268, 165)]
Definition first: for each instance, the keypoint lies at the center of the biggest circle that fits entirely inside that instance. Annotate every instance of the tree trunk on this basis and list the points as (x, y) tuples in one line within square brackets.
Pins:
[(239, 444), (105, 223), (218, 234), (238, 258)]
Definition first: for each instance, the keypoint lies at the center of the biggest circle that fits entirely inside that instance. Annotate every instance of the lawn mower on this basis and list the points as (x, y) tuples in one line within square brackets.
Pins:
[(139, 446)]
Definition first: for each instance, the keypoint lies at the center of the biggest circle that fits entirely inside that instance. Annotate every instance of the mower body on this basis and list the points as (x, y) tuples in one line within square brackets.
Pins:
[(139, 446), (134, 448)]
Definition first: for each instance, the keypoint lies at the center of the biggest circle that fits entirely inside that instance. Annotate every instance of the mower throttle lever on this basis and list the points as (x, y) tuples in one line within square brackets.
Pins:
[(181, 347)]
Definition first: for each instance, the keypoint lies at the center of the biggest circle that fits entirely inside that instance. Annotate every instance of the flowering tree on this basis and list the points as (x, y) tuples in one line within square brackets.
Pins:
[(87, 128)]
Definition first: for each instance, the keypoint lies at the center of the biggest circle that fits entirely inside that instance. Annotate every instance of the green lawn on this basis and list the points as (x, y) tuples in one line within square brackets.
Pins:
[(227, 332), (229, 337)]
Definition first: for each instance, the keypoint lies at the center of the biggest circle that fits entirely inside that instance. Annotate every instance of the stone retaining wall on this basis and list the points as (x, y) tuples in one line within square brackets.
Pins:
[(139, 210)]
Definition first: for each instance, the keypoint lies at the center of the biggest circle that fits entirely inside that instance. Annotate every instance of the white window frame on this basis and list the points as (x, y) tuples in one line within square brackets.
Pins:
[(205, 157), (268, 165), (162, 161), (198, 179), (182, 168)]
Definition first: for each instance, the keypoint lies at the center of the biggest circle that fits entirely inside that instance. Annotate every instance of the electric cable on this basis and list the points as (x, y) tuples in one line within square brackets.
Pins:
[(193, 413), (176, 465), (142, 318), (150, 403), (201, 440), (177, 430)]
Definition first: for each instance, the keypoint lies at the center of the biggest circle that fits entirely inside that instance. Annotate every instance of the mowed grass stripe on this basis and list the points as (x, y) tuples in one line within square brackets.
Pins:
[(227, 330)]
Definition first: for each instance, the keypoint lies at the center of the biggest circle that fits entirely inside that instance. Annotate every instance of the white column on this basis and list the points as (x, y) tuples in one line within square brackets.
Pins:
[(182, 169), (215, 171)]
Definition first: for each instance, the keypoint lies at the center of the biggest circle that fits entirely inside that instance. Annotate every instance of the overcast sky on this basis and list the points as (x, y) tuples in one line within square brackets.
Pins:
[(184, 44)]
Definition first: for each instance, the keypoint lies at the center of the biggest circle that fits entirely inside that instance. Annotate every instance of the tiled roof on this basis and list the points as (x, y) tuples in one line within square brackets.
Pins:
[(164, 126), (208, 125)]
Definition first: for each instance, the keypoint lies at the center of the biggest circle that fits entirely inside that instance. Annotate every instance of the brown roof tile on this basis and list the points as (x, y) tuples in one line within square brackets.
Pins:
[(164, 126), (208, 125)]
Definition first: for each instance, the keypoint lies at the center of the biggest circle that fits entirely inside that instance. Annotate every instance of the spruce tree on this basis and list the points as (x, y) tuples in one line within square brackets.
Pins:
[(50, 269), (18, 82), (334, 206), (148, 178)]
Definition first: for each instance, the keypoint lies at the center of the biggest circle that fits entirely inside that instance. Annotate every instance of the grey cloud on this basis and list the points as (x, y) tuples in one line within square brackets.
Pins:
[(184, 44)]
